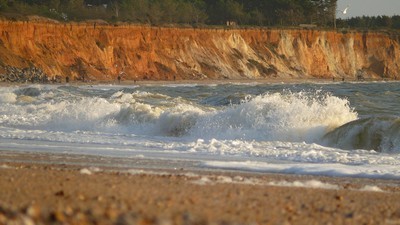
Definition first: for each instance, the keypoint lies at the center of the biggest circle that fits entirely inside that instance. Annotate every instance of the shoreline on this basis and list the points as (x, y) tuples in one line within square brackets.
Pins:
[(205, 82), (67, 187), (62, 192)]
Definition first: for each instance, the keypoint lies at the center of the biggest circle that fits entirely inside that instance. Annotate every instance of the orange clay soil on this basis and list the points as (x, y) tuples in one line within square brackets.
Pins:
[(102, 52)]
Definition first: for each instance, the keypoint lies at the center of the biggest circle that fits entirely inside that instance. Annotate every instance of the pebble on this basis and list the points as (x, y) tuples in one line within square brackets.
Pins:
[(29, 74), (111, 213), (339, 197), (27, 221), (58, 216), (99, 198), (68, 211), (81, 197), (33, 211), (59, 193)]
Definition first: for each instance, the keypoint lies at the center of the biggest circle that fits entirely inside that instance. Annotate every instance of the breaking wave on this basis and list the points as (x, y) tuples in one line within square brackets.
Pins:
[(374, 133), (260, 127), (293, 117), (287, 116), (309, 117)]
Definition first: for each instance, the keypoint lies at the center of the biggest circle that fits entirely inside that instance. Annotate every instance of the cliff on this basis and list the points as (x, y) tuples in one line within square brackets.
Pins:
[(101, 52)]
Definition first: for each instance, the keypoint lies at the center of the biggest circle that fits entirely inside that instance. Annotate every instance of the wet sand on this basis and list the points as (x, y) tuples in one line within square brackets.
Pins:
[(39, 188)]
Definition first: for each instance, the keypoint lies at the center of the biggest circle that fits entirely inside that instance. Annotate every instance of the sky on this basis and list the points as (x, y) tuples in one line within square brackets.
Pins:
[(368, 8)]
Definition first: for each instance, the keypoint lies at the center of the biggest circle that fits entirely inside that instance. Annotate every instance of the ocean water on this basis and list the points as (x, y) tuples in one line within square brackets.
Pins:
[(334, 129)]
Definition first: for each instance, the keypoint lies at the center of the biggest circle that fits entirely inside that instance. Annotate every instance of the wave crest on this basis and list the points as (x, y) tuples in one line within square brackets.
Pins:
[(374, 133)]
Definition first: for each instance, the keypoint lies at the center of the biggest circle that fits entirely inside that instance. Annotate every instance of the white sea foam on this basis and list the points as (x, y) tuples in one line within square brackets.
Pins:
[(146, 172), (270, 117), (277, 117), (85, 171), (4, 166), (220, 179), (178, 120), (371, 188), (328, 169), (211, 180), (8, 97), (275, 131), (304, 184), (203, 181)]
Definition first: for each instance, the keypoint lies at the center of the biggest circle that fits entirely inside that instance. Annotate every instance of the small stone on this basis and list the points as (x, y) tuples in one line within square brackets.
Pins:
[(146, 221), (59, 193), (68, 211), (99, 198), (111, 213), (33, 211), (81, 197), (26, 221), (81, 217), (289, 208), (3, 219), (339, 197), (58, 216)]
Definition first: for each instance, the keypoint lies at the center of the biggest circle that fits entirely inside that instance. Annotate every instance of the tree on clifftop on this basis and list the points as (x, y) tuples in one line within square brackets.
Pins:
[(325, 11), (211, 12), (3, 5)]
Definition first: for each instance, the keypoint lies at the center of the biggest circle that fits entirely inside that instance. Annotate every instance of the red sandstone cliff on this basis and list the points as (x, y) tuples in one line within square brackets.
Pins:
[(101, 52)]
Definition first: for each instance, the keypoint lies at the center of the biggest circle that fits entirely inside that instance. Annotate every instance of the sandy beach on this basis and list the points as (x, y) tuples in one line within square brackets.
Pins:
[(39, 188)]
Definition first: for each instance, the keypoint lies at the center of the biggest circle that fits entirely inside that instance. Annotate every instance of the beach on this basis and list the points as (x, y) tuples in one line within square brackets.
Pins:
[(41, 189), (198, 153), (197, 125)]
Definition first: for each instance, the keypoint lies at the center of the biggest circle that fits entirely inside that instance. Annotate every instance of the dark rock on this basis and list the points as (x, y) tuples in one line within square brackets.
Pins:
[(29, 74)]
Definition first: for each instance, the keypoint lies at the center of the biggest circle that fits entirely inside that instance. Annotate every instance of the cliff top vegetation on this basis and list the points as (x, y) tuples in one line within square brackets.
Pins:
[(272, 13)]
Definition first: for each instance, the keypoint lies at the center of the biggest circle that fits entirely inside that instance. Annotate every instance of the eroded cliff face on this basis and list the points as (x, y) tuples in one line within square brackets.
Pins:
[(102, 52)]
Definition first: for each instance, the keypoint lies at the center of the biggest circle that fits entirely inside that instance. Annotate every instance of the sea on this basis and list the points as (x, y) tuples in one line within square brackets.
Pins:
[(342, 129)]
